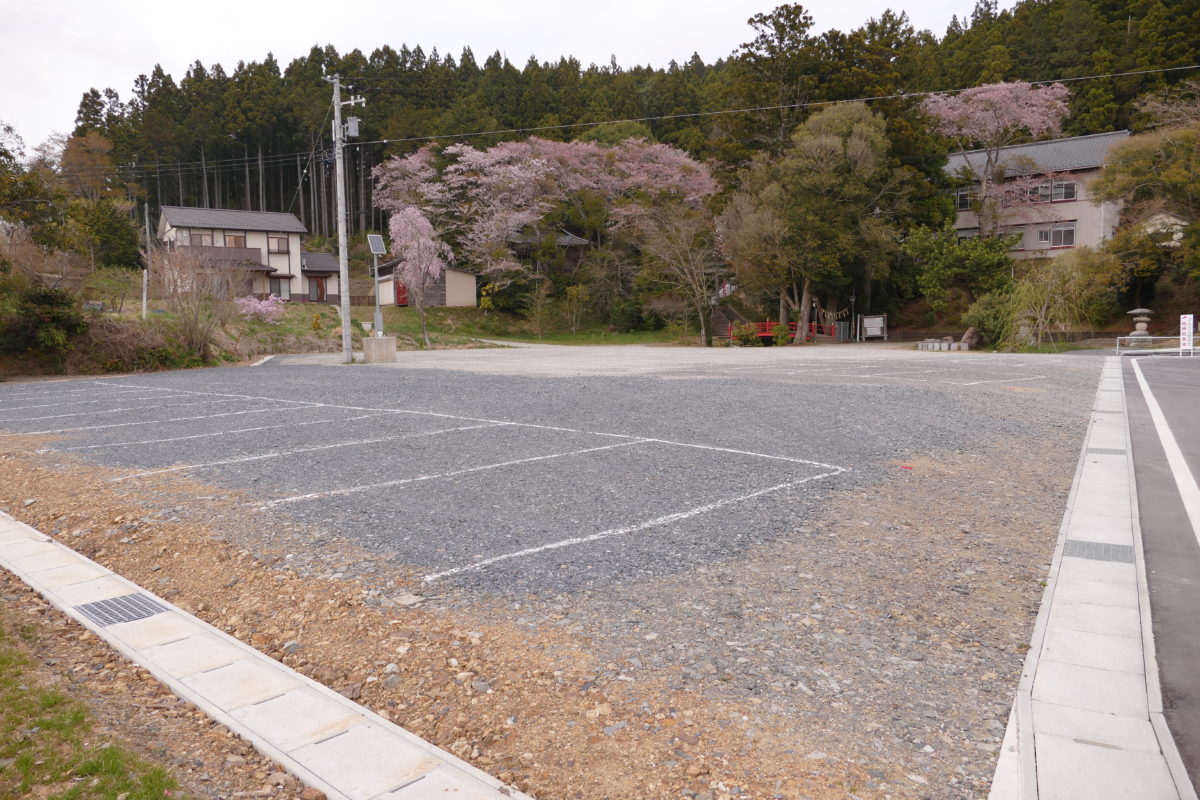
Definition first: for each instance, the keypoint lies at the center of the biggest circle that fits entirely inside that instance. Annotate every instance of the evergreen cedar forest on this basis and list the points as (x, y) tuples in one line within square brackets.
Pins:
[(803, 169)]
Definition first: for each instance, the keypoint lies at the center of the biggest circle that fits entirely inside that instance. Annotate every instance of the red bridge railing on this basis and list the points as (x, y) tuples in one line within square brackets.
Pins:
[(767, 329)]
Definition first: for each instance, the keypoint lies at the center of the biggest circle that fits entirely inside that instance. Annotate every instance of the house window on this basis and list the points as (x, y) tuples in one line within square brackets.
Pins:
[(1064, 190), (1063, 234), (968, 233), (277, 244), (1054, 191), (235, 240), (1044, 236), (963, 196), (200, 239), (281, 288)]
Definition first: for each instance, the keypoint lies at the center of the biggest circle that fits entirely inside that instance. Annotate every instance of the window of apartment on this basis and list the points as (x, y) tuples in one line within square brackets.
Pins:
[(1062, 234), (198, 239), (277, 243), (968, 233), (963, 196), (1054, 192), (235, 240), (1064, 190), (1044, 236)]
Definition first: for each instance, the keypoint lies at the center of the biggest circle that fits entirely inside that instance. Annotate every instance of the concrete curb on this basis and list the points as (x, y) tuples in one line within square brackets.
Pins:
[(1069, 724), (327, 741)]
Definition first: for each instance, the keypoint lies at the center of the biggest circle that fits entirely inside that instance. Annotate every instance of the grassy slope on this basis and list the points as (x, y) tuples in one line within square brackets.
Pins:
[(46, 747)]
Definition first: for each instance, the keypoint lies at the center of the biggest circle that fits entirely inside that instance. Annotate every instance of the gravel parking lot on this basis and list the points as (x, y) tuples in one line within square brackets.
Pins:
[(849, 538)]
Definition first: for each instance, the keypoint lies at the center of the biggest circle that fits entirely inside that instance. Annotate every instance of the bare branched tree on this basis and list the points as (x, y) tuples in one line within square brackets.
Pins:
[(199, 293), (678, 245)]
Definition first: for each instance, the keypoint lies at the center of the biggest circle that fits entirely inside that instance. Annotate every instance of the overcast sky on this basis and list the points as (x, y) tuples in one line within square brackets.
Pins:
[(52, 51)]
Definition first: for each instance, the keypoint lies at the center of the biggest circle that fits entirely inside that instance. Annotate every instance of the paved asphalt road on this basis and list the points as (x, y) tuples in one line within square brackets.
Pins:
[(555, 469), (1170, 542)]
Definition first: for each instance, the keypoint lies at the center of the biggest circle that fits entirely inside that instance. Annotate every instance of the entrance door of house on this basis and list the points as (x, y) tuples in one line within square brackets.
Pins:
[(316, 290), (401, 293)]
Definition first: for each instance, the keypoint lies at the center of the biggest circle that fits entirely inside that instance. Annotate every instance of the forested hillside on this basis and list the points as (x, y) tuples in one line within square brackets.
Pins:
[(258, 137)]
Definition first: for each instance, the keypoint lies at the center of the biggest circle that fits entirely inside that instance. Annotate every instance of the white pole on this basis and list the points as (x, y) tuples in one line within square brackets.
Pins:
[(378, 311), (343, 266)]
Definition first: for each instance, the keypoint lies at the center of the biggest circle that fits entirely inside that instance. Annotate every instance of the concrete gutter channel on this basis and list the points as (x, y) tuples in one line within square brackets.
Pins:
[(327, 741), (1087, 721)]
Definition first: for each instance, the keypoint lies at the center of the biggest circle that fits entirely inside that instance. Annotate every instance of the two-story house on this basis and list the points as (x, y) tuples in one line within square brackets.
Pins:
[(265, 244), (1060, 214)]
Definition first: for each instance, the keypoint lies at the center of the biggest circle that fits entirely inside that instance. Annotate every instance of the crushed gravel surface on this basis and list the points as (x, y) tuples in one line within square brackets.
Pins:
[(859, 634)]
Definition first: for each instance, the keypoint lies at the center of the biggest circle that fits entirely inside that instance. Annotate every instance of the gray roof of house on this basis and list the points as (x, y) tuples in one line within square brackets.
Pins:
[(229, 219), (318, 262), (562, 239), (1054, 155)]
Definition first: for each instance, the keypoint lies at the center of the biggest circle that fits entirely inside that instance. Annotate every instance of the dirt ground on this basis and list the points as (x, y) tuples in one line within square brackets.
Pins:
[(550, 710)]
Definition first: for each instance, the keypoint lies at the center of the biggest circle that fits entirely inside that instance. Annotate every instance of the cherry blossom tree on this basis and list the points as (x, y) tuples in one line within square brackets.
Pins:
[(984, 120), (423, 257), (483, 198)]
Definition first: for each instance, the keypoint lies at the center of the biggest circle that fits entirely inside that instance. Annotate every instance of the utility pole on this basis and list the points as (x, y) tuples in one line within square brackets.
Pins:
[(146, 269), (339, 139)]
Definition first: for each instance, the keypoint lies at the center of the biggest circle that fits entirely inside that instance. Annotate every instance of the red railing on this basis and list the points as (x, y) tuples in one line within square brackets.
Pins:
[(767, 329)]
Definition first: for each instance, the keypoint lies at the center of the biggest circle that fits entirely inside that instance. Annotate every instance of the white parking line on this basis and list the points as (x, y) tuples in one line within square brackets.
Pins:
[(1000, 380), (226, 433), (283, 453), (143, 422), (451, 474), (117, 410), (80, 402), (45, 395), (533, 425), (678, 516)]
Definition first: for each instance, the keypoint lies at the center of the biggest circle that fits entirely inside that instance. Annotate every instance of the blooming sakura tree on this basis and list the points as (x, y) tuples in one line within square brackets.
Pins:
[(483, 198), (269, 310), (423, 257), (990, 118)]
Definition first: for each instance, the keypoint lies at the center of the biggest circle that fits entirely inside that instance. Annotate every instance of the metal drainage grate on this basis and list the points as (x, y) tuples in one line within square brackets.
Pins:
[(1106, 451), (1098, 551), (126, 608)]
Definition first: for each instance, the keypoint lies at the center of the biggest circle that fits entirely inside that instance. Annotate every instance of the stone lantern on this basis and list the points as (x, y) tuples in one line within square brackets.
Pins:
[(1141, 320)]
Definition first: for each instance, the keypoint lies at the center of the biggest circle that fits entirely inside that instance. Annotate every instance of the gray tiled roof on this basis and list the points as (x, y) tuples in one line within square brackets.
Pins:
[(1054, 155), (228, 219), (318, 262)]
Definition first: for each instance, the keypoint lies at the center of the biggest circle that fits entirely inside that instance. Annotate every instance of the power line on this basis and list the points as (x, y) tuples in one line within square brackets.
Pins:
[(229, 164), (756, 109)]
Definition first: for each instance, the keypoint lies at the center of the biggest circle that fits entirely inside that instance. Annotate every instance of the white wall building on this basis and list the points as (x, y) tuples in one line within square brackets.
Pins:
[(264, 243), (1062, 215)]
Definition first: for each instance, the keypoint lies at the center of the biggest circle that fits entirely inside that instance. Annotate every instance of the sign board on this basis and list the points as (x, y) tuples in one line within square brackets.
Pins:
[(873, 326), (1187, 327)]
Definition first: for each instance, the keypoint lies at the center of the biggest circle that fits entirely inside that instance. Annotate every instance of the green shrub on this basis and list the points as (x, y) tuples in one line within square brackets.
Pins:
[(44, 321), (745, 336), (991, 316), (781, 335)]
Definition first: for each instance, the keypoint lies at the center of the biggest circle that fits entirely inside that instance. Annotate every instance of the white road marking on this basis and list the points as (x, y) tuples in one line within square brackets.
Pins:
[(678, 516), (262, 361), (46, 395), (225, 433), (81, 402), (1184, 479), (143, 422), (451, 474), (1005, 380), (533, 425), (283, 453), (117, 410), (747, 453)]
